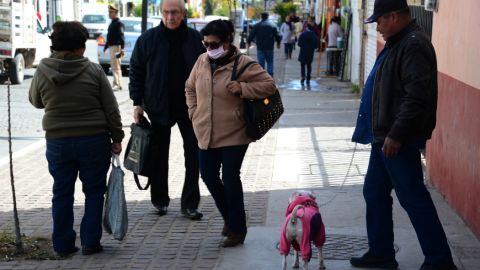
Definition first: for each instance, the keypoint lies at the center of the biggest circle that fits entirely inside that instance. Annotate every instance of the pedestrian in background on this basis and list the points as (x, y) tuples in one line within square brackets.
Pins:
[(81, 120), (308, 43), (160, 64), (216, 107), (115, 43), (287, 31), (298, 26), (397, 115), (334, 31), (265, 34)]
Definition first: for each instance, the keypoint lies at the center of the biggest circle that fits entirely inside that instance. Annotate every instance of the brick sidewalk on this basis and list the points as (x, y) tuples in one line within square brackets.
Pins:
[(152, 242)]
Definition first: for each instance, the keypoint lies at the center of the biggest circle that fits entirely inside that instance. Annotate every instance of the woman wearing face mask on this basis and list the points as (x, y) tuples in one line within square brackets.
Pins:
[(215, 106)]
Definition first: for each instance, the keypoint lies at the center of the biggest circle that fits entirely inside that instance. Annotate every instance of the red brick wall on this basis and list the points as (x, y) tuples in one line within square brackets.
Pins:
[(453, 154)]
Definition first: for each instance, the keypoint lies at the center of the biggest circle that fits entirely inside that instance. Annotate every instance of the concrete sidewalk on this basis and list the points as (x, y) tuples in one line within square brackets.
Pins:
[(314, 151), (309, 149)]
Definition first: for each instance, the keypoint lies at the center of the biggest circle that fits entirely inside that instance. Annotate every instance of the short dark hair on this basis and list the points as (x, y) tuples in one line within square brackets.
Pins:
[(264, 15), (223, 29), (68, 36)]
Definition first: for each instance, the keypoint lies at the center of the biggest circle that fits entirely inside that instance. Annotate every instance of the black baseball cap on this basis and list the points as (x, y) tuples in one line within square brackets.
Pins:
[(382, 7)]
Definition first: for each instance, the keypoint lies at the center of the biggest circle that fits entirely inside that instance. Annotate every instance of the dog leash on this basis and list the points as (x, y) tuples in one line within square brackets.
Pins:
[(344, 179)]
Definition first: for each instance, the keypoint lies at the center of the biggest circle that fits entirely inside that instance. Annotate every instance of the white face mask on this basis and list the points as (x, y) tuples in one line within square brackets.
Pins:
[(216, 53)]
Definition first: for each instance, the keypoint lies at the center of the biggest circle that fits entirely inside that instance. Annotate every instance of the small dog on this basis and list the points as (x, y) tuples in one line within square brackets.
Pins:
[(302, 225)]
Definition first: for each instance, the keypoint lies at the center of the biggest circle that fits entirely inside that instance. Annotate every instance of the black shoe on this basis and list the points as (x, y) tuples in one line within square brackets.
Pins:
[(86, 250), (302, 81), (192, 214), (369, 260), (234, 239), (225, 230), (308, 82), (67, 252), (162, 210), (447, 266)]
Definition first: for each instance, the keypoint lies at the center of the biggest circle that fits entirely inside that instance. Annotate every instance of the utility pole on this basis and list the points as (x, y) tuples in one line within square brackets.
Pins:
[(144, 15)]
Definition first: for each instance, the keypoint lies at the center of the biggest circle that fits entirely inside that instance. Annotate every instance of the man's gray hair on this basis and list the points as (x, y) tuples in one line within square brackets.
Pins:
[(181, 3)]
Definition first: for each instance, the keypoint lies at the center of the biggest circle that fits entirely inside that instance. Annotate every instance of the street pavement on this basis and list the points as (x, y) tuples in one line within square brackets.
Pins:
[(310, 148)]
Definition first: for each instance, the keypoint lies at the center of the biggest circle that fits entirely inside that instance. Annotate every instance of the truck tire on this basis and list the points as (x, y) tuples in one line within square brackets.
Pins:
[(106, 68), (16, 69)]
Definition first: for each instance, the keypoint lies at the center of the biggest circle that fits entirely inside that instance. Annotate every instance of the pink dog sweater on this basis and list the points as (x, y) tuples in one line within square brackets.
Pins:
[(313, 227)]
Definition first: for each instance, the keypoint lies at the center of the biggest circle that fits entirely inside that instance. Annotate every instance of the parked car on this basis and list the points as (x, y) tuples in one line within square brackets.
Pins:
[(133, 29), (196, 23), (95, 24)]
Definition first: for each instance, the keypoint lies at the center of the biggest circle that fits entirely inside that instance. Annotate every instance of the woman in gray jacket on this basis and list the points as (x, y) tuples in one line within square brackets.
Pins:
[(81, 120)]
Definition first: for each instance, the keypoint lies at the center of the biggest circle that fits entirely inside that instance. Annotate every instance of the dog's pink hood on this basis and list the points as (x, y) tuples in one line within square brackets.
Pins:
[(309, 211)]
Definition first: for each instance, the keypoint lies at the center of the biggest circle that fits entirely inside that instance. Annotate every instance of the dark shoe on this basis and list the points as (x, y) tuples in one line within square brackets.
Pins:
[(192, 214), (308, 82), (447, 266), (86, 250), (68, 252), (302, 81), (369, 260), (234, 239), (225, 230), (162, 210)]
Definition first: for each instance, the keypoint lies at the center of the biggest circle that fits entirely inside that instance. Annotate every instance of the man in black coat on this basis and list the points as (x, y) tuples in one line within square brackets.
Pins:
[(160, 64), (402, 91), (115, 44)]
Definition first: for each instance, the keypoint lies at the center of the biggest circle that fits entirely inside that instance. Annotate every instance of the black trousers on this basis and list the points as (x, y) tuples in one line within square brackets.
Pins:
[(159, 179), (334, 58), (309, 70), (226, 190)]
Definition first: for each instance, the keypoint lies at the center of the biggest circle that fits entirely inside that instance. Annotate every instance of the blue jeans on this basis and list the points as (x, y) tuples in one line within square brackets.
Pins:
[(226, 192), (88, 157), (267, 56), (404, 174)]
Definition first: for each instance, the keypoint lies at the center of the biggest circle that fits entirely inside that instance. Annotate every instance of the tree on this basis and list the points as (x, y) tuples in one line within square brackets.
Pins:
[(285, 9), (18, 235)]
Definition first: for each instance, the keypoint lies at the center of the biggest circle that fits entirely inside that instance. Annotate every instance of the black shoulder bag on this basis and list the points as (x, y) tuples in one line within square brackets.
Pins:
[(260, 114), (138, 155)]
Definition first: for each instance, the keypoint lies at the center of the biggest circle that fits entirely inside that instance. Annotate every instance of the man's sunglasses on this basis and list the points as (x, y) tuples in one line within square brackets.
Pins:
[(212, 45)]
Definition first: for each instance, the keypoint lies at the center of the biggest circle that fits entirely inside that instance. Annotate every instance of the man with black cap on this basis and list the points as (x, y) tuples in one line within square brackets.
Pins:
[(265, 34), (115, 42), (397, 116)]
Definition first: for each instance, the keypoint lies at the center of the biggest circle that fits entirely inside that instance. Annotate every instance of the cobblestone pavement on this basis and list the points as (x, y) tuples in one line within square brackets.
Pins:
[(153, 242)]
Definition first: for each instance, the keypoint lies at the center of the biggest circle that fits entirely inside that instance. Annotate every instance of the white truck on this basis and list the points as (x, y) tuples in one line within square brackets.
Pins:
[(23, 41)]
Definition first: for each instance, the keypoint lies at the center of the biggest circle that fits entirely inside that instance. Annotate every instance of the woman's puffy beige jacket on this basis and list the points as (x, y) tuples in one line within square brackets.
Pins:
[(216, 113)]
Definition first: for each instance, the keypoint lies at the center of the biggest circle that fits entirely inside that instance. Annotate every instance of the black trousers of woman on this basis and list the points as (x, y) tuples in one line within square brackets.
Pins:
[(227, 192)]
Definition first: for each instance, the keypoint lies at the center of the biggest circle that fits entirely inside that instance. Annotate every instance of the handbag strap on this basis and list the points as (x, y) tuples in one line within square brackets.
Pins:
[(137, 181), (236, 74)]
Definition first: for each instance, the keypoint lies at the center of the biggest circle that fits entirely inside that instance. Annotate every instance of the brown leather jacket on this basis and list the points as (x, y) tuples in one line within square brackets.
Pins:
[(216, 113)]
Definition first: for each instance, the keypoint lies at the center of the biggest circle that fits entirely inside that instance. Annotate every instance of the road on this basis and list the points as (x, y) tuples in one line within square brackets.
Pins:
[(27, 120)]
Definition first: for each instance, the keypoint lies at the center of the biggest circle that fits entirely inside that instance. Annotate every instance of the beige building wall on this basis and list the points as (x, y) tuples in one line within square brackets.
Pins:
[(456, 37)]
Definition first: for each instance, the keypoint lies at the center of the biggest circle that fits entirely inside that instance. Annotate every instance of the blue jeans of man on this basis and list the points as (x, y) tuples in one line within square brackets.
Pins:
[(89, 158), (404, 174), (227, 192), (267, 56)]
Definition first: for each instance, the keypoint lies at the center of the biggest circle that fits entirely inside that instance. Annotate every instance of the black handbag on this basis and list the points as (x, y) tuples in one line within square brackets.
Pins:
[(139, 154), (260, 114)]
